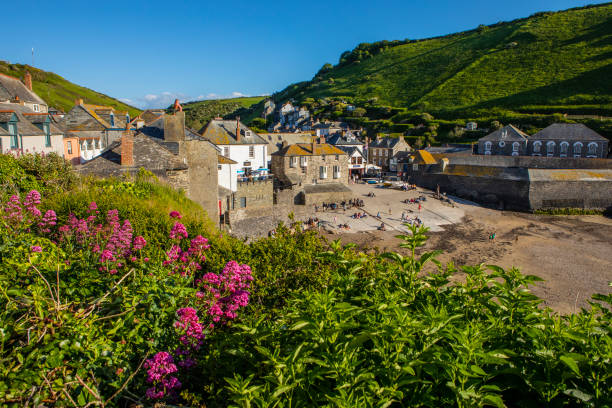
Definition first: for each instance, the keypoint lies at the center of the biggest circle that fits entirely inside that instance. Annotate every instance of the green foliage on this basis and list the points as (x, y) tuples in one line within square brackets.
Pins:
[(405, 334), (60, 93), (48, 174)]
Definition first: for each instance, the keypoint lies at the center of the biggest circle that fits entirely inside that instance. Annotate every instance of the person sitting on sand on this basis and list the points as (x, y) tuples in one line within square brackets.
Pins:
[(382, 227)]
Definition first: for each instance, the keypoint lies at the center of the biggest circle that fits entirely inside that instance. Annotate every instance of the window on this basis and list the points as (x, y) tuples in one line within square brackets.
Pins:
[(36, 107), (337, 157), (292, 161), (127, 118), (353, 160), (47, 134), (577, 149), (592, 149), (12, 129), (218, 165), (96, 144), (112, 120), (515, 148), (550, 148), (359, 160), (303, 161), (322, 172), (336, 172), (537, 147), (247, 164), (487, 147), (563, 147), (502, 143), (226, 151), (251, 151), (415, 167), (242, 202), (83, 145)]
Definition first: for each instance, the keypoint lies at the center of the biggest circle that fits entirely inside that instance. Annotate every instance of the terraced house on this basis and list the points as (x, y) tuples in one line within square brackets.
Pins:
[(382, 149), (95, 126), (23, 131), (568, 140)]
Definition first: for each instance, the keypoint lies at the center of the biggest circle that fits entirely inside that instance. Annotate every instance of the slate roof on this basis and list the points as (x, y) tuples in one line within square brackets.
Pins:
[(147, 153), (27, 120), (305, 149), (511, 133), (275, 140), (350, 150), (384, 143), (10, 87), (338, 139), (223, 132), (568, 131), (102, 114)]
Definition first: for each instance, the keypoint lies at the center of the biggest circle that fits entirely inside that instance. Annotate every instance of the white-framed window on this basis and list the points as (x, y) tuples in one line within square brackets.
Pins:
[(322, 172), (12, 129), (69, 146), (488, 146), (502, 143), (97, 143), (112, 119), (36, 107), (251, 151), (83, 145), (577, 149), (90, 144), (515, 146), (337, 157), (550, 148), (292, 161), (336, 172), (226, 151), (415, 167), (218, 167), (592, 149), (563, 148), (303, 161), (537, 147)]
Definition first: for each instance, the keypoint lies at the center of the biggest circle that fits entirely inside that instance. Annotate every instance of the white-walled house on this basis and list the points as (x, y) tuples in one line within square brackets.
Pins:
[(227, 170), (240, 144), (23, 131)]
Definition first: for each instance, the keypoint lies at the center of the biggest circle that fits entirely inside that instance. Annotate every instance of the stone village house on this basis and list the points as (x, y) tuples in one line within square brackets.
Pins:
[(314, 172), (573, 140), (382, 149), (13, 91)]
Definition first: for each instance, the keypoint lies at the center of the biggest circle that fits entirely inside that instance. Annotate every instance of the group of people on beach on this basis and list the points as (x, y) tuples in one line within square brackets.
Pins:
[(344, 205)]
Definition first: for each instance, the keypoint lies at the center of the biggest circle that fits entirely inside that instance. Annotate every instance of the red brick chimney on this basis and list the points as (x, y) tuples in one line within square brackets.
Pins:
[(27, 80), (127, 149), (78, 101), (238, 128)]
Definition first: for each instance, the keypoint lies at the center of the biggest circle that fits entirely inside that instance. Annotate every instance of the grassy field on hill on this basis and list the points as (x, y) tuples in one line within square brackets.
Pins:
[(197, 114), (60, 93), (561, 59)]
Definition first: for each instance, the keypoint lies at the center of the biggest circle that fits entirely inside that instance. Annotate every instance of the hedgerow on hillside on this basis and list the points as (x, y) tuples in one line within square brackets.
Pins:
[(118, 293)]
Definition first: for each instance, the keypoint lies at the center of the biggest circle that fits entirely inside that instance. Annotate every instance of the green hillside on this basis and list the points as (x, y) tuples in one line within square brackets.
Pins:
[(549, 62), (197, 114), (60, 93)]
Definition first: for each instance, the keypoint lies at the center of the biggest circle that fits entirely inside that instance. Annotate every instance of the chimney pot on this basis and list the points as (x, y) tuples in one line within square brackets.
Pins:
[(127, 149), (27, 80), (237, 128)]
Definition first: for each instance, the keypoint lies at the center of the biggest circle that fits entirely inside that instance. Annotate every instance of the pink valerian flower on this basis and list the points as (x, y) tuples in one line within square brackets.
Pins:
[(92, 207), (13, 211), (35, 248), (225, 293), (106, 256), (190, 328), (187, 262), (178, 231), (160, 373), (139, 243), (49, 220), (32, 199), (175, 214)]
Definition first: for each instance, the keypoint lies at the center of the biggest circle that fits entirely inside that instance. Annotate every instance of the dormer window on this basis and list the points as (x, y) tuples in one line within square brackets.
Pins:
[(36, 107), (47, 134), (247, 133), (112, 120), (12, 129)]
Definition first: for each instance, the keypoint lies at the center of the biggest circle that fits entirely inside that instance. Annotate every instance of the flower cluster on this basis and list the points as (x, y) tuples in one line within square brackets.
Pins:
[(27, 215), (226, 292), (160, 370), (187, 262), (178, 231), (191, 335), (175, 214)]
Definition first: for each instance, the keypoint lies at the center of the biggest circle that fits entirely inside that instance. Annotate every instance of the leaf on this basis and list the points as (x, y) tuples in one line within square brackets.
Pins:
[(494, 400), (299, 325), (282, 389), (570, 362), (582, 396), (478, 370)]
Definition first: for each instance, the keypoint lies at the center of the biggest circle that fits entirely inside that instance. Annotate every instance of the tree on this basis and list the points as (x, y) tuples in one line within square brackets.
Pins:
[(496, 125), (359, 112)]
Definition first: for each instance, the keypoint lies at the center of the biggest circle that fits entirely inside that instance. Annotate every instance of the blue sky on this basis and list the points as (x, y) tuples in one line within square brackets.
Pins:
[(149, 52)]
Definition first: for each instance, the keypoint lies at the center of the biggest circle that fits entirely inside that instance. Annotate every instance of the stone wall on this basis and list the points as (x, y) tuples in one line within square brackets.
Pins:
[(201, 158), (532, 162), (256, 193), (590, 189)]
